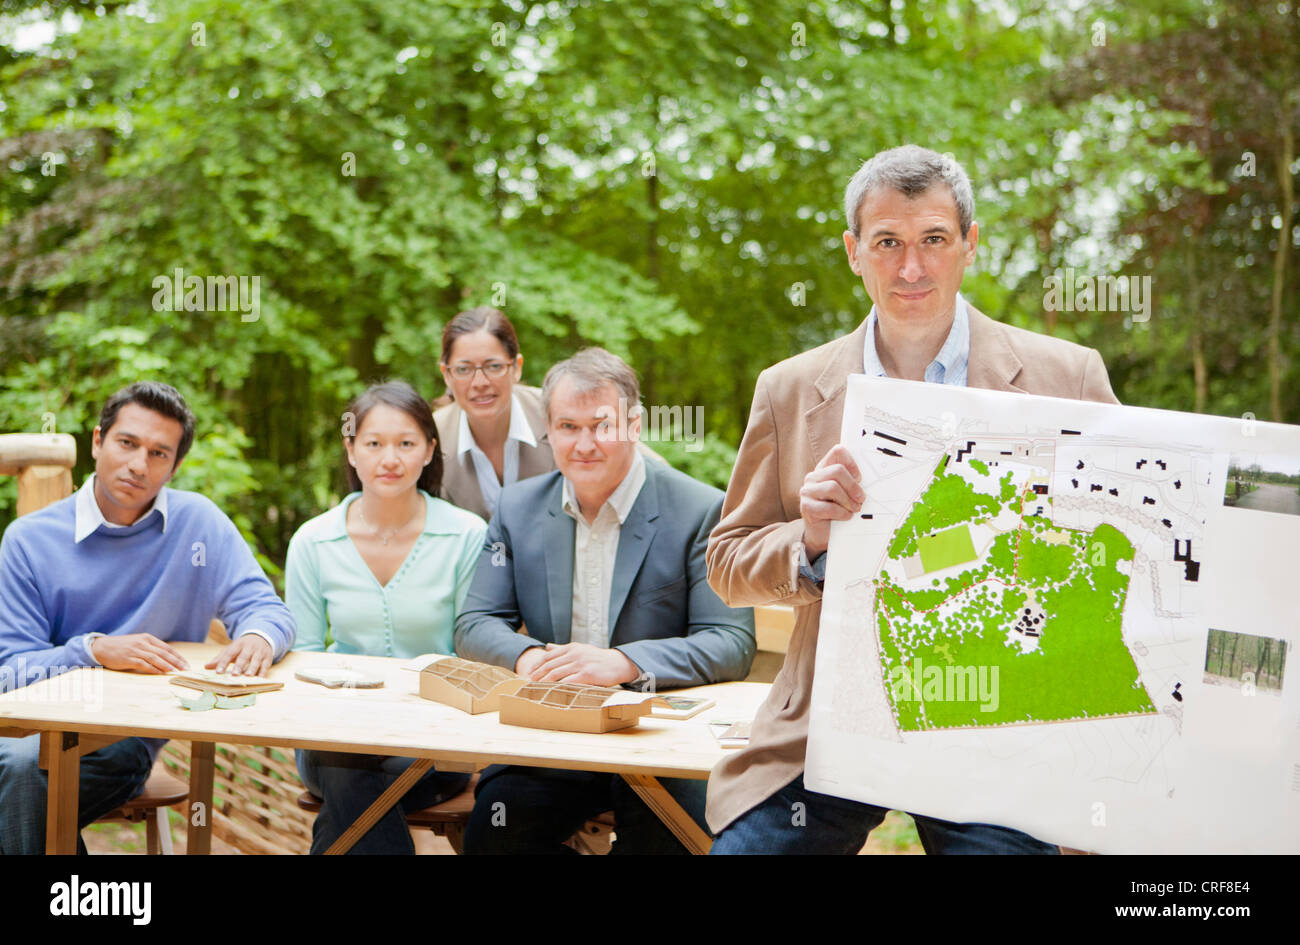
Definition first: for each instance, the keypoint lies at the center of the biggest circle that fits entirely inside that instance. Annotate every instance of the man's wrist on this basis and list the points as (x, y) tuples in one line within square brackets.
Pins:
[(639, 681), (255, 631), (90, 648), (812, 551), (524, 656), (814, 570)]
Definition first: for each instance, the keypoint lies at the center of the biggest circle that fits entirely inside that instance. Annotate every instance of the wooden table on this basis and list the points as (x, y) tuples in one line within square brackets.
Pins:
[(109, 706)]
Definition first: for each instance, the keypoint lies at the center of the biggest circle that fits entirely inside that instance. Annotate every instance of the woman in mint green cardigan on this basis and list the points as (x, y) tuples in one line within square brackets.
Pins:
[(383, 573)]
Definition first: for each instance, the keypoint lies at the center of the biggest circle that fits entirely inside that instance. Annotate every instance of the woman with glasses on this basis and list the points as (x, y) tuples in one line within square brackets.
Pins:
[(493, 431), (383, 573)]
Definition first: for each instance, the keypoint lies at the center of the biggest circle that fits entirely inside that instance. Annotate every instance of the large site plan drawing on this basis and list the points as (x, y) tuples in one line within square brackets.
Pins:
[(1014, 627), (978, 575)]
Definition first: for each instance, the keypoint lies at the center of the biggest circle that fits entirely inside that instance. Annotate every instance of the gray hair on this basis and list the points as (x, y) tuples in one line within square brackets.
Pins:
[(590, 369), (910, 170)]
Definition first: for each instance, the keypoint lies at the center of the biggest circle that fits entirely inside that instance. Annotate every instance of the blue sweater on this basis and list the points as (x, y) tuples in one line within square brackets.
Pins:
[(138, 579)]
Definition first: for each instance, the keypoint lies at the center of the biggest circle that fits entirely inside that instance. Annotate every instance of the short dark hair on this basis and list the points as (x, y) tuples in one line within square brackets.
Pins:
[(158, 397), (483, 318), (403, 397)]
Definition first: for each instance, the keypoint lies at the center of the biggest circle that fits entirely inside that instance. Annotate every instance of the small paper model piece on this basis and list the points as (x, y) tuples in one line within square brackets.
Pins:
[(225, 684), (681, 707), (332, 677), (210, 700), (568, 707), (731, 734), (236, 702), (203, 702), (466, 685)]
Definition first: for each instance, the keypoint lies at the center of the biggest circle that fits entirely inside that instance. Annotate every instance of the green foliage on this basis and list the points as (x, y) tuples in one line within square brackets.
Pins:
[(330, 152), (664, 179), (710, 459)]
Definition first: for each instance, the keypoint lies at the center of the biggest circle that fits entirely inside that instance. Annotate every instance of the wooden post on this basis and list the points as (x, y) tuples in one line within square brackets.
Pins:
[(42, 462), (64, 756), (202, 769), (39, 486)]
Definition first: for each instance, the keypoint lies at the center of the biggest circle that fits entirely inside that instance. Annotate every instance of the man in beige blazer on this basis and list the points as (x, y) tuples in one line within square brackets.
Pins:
[(911, 236)]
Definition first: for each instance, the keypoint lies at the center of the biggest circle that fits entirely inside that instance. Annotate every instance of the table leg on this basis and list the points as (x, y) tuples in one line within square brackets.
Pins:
[(670, 812), (64, 757), (381, 806), (202, 769)]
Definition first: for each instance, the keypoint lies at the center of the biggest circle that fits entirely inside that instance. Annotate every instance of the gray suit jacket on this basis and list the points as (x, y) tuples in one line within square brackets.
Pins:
[(664, 615), (460, 481)]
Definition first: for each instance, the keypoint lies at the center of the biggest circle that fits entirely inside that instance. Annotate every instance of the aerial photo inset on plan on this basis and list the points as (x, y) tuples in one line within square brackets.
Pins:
[(1252, 663), (1263, 483)]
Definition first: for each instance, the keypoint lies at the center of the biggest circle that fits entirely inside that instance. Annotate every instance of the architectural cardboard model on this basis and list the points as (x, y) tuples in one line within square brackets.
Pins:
[(569, 707), (463, 684), (562, 707)]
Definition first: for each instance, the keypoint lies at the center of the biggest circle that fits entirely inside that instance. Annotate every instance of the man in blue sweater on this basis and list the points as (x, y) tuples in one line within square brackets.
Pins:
[(105, 578)]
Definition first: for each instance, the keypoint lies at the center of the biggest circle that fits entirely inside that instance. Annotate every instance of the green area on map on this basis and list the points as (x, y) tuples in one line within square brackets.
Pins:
[(1029, 632), (947, 548)]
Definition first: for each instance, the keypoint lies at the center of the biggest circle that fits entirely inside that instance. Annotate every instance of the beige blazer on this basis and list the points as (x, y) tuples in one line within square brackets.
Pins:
[(753, 553), (460, 481)]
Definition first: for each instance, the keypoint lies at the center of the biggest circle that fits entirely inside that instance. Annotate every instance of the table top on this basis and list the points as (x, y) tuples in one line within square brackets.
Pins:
[(393, 720)]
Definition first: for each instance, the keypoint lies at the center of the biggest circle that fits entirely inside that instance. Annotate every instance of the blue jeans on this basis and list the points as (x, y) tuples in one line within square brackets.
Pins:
[(110, 777), (519, 809), (796, 820), (348, 783)]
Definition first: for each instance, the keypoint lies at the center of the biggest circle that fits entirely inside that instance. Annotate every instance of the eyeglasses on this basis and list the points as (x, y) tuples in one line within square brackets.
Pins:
[(465, 370)]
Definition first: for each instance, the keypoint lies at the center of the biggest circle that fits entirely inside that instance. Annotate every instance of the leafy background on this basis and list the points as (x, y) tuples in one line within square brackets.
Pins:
[(663, 178)]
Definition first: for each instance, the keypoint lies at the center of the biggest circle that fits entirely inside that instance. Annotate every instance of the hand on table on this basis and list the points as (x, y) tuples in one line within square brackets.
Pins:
[(250, 655), (576, 663), (137, 653), (831, 492)]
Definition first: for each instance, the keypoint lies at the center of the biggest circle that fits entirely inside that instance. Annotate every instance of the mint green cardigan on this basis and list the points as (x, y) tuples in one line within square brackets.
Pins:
[(340, 607)]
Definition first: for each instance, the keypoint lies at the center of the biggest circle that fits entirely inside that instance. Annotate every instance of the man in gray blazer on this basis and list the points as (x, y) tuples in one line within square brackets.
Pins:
[(603, 562)]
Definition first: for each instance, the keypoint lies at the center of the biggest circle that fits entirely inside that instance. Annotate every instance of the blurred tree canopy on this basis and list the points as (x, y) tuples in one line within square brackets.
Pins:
[(662, 178)]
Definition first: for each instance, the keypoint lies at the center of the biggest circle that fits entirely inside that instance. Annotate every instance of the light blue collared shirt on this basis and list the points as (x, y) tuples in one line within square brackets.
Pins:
[(948, 367)]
